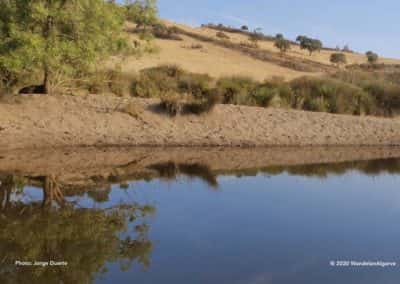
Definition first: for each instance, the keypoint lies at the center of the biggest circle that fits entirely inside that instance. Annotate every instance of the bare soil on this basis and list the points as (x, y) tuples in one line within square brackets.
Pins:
[(40, 121)]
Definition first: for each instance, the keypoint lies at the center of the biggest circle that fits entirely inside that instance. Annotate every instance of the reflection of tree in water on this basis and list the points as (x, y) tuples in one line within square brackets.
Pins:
[(54, 229), (170, 170), (371, 168)]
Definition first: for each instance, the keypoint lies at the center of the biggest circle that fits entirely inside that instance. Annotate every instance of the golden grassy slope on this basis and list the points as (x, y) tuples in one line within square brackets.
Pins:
[(321, 57), (210, 59), (219, 61)]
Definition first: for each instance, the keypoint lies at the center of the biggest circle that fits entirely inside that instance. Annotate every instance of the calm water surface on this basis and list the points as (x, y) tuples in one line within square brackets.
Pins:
[(193, 225)]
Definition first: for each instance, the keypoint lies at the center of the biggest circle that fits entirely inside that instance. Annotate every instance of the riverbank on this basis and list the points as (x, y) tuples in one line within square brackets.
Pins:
[(40, 121)]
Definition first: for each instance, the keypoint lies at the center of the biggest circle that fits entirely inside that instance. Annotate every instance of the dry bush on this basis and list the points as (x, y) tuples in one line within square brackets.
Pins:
[(222, 35), (163, 32), (172, 104), (108, 81), (132, 109), (248, 44)]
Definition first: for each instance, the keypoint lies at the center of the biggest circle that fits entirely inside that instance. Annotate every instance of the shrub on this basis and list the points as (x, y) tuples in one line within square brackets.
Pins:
[(175, 104), (338, 58), (274, 92), (387, 97), (196, 46), (372, 57), (329, 95), (264, 94), (203, 105), (197, 85), (131, 109), (222, 35), (282, 44), (163, 32), (156, 82), (172, 104), (236, 90), (107, 81)]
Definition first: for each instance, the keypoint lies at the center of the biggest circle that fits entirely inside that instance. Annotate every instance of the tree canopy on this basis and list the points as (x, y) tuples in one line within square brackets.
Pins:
[(281, 43), (338, 58), (50, 37), (309, 44), (142, 12), (372, 57)]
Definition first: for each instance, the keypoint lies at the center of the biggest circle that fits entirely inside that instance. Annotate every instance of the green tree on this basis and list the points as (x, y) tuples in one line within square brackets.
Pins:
[(338, 58), (142, 12), (309, 44), (372, 57), (281, 43), (56, 36)]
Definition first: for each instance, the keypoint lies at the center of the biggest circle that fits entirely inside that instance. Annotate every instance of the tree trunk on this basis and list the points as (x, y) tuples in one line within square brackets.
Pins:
[(46, 80)]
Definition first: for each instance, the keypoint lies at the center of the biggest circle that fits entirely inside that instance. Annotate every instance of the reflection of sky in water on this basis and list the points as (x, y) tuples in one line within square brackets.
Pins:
[(261, 229), (279, 229)]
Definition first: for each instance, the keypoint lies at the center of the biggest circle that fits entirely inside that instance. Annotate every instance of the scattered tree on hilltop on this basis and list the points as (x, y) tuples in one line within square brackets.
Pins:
[(309, 44), (281, 43), (338, 58), (256, 36), (142, 12), (245, 28), (372, 57)]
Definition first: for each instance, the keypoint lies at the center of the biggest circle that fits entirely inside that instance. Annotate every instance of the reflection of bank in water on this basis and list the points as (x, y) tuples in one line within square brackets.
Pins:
[(171, 170), (53, 228)]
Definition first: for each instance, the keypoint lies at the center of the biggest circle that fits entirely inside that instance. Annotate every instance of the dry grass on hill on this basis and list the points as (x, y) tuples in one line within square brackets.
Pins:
[(320, 57), (206, 57), (210, 59)]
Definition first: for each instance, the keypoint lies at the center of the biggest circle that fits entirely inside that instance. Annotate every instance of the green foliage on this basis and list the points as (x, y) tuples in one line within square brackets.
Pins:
[(281, 43), (329, 95), (163, 32), (236, 90), (142, 12), (372, 57), (387, 97), (179, 91), (107, 81), (57, 36), (338, 58), (309, 44)]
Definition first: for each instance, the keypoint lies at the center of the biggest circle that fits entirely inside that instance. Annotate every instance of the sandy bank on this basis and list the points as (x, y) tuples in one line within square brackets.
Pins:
[(58, 121)]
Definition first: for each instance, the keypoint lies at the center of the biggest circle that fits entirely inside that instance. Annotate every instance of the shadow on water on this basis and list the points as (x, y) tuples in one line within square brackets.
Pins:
[(54, 229)]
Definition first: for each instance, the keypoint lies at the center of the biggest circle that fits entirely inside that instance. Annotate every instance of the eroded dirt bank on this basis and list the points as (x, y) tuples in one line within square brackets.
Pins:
[(94, 120)]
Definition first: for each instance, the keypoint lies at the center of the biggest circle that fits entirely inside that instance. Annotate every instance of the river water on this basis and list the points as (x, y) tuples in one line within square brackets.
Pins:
[(176, 220)]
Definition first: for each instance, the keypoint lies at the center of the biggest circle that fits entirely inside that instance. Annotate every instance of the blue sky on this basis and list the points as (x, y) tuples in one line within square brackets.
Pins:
[(364, 25)]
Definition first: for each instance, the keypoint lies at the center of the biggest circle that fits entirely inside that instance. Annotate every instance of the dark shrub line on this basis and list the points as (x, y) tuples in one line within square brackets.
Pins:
[(356, 93)]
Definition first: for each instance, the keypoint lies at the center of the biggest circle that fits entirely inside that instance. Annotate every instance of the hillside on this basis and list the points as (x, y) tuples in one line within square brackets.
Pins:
[(217, 59)]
